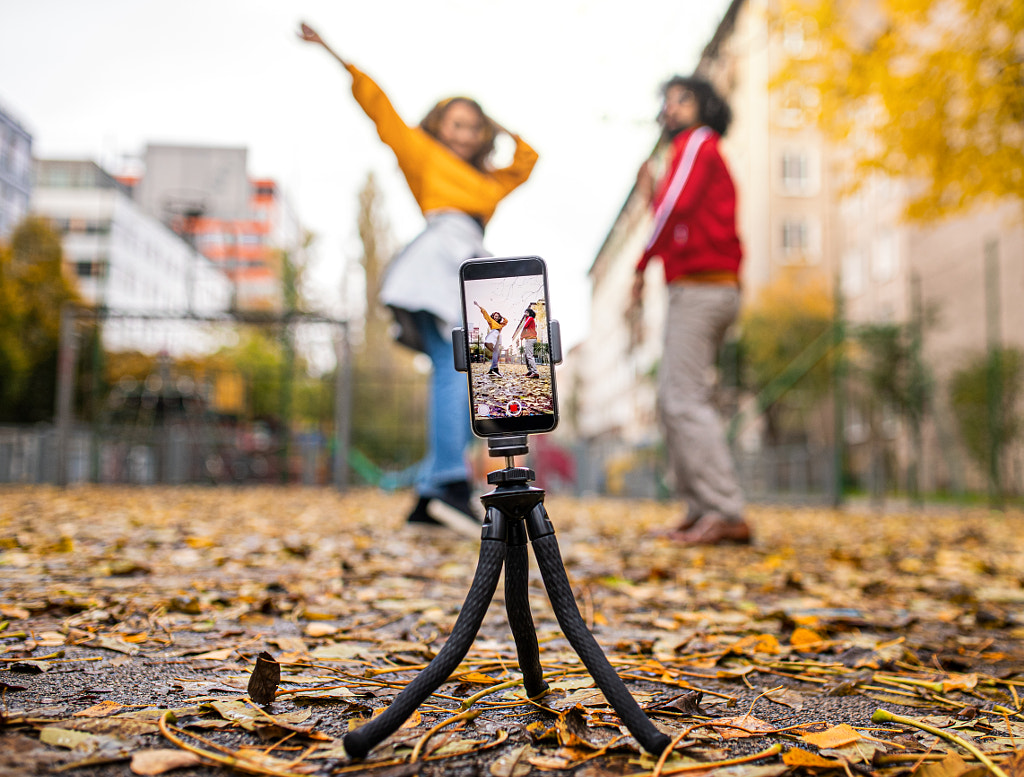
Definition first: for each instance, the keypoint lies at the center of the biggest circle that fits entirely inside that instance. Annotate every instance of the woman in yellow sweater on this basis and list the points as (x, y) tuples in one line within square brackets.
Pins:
[(445, 161), (492, 342)]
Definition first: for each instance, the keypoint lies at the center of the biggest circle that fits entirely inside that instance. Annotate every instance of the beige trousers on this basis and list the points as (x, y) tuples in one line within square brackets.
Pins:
[(698, 317)]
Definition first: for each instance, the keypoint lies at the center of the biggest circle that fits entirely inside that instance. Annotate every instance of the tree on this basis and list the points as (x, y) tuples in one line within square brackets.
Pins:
[(892, 378), (985, 395), (389, 392), (927, 90), (33, 291), (785, 339)]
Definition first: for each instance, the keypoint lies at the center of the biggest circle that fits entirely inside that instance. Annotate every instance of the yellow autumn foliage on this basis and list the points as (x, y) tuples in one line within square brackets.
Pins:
[(931, 91), (787, 317)]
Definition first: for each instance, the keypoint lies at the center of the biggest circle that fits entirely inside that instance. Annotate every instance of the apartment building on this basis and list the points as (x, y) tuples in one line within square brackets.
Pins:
[(242, 224), (795, 219), (126, 261), (15, 172)]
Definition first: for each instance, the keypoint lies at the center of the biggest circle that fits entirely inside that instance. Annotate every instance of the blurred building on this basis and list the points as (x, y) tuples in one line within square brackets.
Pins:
[(126, 261), (15, 172), (243, 225), (794, 219)]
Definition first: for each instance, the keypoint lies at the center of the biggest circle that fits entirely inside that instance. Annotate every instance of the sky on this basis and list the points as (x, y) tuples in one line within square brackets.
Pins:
[(578, 79)]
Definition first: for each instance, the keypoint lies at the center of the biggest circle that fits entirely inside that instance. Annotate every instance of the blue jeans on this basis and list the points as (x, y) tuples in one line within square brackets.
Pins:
[(496, 352), (448, 429)]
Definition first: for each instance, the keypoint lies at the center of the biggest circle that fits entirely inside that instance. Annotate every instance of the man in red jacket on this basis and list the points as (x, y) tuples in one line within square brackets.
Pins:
[(695, 237)]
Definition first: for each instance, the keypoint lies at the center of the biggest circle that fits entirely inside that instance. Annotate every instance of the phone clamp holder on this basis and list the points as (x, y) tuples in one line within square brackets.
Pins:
[(515, 516)]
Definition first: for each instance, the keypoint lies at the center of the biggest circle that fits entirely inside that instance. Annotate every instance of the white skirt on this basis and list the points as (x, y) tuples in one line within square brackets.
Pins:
[(425, 274)]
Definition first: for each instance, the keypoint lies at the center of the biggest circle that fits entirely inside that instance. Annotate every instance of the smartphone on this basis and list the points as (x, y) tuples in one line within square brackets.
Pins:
[(510, 351)]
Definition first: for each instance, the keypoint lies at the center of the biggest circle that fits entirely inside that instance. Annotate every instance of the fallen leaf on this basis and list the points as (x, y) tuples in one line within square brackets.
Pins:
[(514, 763), (805, 639), (223, 654), (318, 629), (265, 678), (837, 736), (160, 760), (798, 757), (738, 728)]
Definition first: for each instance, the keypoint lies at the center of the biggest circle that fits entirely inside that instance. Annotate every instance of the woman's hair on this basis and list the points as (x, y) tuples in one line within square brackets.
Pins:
[(714, 110), (431, 124)]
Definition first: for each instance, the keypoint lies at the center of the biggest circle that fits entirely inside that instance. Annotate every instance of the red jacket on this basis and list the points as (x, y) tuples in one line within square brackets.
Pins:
[(529, 328), (695, 212)]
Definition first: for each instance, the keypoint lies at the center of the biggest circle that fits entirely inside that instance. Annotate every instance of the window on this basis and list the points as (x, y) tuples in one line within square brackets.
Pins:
[(801, 241), (92, 269), (853, 273), (799, 173), (885, 263), (794, 236)]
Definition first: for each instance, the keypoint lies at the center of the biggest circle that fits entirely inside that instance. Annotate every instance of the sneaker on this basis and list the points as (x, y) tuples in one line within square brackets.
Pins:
[(533, 374), (454, 508), (419, 514), (494, 371)]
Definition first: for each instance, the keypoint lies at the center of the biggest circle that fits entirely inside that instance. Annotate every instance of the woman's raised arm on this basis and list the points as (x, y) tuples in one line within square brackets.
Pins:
[(310, 35)]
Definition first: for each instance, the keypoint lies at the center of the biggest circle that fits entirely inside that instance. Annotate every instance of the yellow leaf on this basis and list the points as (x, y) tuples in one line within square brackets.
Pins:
[(960, 682), (950, 766), (837, 736), (797, 757), (477, 677), (756, 643), (805, 639)]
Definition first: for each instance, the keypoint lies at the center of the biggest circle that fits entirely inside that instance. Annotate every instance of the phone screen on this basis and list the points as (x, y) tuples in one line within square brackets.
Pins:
[(508, 345)]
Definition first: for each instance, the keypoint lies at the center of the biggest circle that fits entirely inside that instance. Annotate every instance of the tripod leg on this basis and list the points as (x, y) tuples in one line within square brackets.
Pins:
[(517, 604), (492, 555), (552, 570)]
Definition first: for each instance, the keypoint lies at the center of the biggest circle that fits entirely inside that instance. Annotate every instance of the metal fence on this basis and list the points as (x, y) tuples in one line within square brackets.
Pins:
[(792, 474), (172, 455)]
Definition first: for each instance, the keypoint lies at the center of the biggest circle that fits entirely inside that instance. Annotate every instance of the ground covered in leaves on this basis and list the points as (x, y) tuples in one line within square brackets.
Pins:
[(512, 393), (131, 621)]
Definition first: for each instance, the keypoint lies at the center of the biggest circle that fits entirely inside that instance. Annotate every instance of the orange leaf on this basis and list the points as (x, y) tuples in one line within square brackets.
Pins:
[(477, 677), (837, 736), (101, 710), (804, 638), (796, 756)]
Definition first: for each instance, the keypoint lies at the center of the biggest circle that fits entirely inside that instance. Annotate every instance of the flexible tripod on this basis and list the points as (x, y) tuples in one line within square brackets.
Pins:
[(515, 513)]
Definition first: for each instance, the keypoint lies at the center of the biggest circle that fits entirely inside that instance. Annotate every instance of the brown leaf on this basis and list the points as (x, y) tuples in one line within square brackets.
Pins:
[(687, 703), (573, 731), (743, 726), (265, 678), (160, 760)]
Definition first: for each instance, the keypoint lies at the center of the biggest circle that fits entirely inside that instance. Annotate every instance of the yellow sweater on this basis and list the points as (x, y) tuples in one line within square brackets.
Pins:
[(438, 179)]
